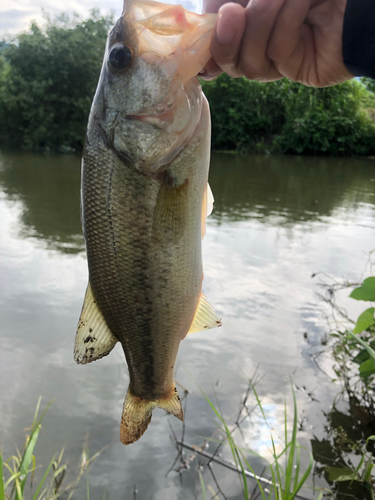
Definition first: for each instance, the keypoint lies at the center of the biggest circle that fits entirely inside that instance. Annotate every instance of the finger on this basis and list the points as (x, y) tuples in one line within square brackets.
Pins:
[(226, 40), (210, 71), (253, 61), (287, 48), (213, 6), (327, 21)]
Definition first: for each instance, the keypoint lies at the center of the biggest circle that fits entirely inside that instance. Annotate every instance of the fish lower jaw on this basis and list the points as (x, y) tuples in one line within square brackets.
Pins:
[(165, 120), (180, 112)]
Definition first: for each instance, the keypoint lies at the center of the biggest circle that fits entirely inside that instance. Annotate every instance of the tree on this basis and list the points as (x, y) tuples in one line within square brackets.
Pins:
[(287, 117), (46, 92)]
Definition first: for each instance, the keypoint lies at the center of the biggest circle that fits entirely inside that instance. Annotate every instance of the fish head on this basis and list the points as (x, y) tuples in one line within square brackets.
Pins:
[(149, 101)]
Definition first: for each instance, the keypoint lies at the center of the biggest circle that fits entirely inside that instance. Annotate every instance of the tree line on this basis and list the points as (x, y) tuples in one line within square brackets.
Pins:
[(48, 78)]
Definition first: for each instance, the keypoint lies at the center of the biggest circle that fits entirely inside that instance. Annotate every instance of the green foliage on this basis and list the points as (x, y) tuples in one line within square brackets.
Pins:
[(47, 88), (4, 66), (329, 120), (286, 117), (245, 114), (369, 83)]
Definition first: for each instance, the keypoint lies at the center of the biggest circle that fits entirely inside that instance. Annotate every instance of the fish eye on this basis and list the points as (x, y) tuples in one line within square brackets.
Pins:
[(120, 56)]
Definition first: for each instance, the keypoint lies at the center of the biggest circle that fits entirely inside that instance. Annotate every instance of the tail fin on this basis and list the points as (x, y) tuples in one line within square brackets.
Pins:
[(137, 413)]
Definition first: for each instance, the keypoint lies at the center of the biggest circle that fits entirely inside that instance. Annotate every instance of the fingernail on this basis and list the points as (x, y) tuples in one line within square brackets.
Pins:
[(225, 31)]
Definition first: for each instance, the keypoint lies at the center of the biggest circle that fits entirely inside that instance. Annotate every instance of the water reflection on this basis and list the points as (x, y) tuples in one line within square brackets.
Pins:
[(47, 189), (281, 190), (288, 189)]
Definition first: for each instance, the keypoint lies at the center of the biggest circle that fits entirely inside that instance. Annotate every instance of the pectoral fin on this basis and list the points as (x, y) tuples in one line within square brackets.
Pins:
[(170, 212), (94, 339), (205, 317), (207, 206)]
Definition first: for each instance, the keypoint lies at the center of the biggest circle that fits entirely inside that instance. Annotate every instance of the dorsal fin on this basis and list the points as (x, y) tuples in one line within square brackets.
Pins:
[(205, 317), (94, 339)]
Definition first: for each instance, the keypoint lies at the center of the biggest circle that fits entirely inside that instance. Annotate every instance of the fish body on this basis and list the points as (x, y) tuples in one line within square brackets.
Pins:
[(144, 199)]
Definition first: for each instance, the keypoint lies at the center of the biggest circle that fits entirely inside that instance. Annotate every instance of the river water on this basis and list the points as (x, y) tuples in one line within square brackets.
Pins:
[(276, 221)]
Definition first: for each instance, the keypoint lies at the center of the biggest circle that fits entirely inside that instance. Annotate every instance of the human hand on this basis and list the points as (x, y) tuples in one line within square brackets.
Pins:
[(267, 40)]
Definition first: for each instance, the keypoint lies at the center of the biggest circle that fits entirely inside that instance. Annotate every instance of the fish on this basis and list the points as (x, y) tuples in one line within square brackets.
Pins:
[(144, 202)]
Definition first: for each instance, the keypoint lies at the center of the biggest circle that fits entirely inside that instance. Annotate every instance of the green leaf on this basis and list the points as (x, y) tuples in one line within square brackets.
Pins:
[(370, 489), (19, 493), (362, 356), (340, 474), (368, 348), (366, 368), (202, 485), (27, 457), (367, 470), (43, 479), (365, 320), (366, 291), (13, 477)]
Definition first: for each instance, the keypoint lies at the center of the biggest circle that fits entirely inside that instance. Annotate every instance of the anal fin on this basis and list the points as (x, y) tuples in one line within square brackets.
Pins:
[(94, 339), (205, 317), (137, 414)]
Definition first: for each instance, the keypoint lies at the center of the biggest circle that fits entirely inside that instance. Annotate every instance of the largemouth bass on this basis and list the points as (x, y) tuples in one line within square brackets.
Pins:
[(144, 201)]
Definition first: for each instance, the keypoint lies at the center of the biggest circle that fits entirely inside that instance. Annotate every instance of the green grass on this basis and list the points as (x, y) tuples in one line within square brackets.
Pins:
[(285, 468), (20, 468)]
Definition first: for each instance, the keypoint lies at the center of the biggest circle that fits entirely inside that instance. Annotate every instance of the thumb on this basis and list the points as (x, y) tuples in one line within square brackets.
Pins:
[(226, 40)]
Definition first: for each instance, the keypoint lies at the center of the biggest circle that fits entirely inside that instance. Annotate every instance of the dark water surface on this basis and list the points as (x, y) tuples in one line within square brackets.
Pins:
[(276, 221)]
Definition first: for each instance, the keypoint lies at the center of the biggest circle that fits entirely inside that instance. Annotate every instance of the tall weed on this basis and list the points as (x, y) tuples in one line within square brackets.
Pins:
[(20, 468)]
